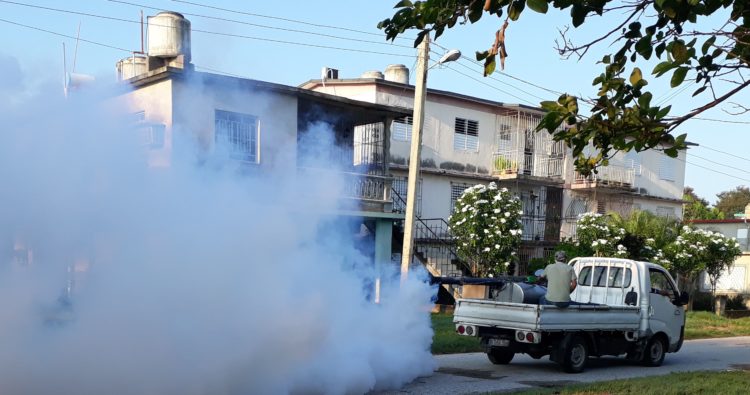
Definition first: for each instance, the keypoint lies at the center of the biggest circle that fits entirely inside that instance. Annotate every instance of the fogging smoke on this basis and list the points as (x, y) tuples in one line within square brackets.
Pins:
[(118, 278)]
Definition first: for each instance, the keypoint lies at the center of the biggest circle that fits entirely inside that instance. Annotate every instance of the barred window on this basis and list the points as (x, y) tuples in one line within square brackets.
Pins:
[(237, 134), (401, 128), (466, 136), (457, 189)]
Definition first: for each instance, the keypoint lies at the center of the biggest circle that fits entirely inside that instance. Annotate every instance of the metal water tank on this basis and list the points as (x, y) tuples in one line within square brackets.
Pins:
[(168, 35), (397, 73), (372, 74), (519, 293), (131, 67)]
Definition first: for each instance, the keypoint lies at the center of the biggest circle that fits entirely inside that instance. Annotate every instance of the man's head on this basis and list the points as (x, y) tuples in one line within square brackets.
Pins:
[(561, 256)]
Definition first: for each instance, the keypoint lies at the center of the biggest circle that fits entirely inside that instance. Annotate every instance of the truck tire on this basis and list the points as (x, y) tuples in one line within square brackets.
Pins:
[(575, 355), (500, 355), (654, 353)]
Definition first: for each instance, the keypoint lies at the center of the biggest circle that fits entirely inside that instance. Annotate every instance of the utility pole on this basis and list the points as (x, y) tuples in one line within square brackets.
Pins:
[(414, 155)]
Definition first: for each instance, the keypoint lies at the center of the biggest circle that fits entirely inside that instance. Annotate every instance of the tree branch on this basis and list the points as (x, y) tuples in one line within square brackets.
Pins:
[(677, 121)]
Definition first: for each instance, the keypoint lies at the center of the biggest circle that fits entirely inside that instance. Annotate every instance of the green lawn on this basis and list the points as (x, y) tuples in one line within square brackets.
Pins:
[(724, 383), (700, 325)]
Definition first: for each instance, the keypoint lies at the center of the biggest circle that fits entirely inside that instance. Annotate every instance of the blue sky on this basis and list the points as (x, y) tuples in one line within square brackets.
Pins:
[(530, 43)]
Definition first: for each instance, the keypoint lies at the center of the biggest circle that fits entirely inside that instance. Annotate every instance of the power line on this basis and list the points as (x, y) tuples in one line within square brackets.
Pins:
[(66, 36), (721, 120), (719, 163), (723, 152), (212, 32), (489, 85), (266, 26), (713, 170), (283, 19)]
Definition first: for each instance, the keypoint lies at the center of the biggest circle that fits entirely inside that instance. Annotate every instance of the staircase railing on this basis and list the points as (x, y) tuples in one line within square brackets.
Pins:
[(433, 241)]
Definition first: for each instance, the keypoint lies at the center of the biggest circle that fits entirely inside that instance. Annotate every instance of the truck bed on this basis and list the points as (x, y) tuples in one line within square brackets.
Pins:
[(532, 317)]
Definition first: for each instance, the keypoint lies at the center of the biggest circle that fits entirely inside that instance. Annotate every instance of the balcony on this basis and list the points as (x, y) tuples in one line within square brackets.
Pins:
[(353, 191), (519, 164), (612, 176)]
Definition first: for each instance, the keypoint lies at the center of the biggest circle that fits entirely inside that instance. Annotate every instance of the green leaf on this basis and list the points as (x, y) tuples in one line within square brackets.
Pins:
[(515, 9), (662, 68), (635, 76), (403, 3), (699, 90), (578, 14), (660, 49), (489, 65), (707, 44), (482, 55), (645, 100), (663, 112), (679, 51), (643, 47), (678, 76), (539, 6)]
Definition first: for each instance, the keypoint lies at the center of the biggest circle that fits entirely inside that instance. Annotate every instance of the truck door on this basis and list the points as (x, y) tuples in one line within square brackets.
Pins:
[(664, 316)]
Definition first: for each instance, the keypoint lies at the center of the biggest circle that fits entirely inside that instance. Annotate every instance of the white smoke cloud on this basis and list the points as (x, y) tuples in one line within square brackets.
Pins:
[(189, 279)]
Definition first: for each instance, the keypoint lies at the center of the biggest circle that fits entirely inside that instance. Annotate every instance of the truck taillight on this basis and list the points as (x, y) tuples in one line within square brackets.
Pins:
[(530, 337), (519, 336), (470, 330), (461, 329)]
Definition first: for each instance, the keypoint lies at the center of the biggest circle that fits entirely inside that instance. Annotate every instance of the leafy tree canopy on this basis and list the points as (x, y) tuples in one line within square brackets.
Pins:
[(734, 201), (623, 116), (698, 208)]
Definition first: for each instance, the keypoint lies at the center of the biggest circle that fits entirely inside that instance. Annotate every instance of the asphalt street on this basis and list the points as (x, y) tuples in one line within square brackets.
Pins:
[(473, 373)]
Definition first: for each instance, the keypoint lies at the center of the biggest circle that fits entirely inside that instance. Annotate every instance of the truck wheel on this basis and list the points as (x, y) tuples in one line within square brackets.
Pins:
[(500, 356), (576, 354), (654, 353)]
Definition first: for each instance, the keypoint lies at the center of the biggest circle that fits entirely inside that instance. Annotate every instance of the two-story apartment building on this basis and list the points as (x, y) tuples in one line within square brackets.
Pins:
[(330, 144), (469, 140)]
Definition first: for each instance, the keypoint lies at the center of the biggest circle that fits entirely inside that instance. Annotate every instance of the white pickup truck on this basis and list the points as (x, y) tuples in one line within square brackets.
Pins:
[(632, 308)]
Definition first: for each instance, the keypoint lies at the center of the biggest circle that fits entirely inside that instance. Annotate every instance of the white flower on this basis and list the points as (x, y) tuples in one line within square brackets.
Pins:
[(486, 231), (502, 220), (520, 212), (507, 264), (594, 243), (497, 246), (496, 211), (487, 249), (507, 214)]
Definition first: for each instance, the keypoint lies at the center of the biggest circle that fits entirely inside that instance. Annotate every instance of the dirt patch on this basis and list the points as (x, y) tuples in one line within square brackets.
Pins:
[(471, 373)]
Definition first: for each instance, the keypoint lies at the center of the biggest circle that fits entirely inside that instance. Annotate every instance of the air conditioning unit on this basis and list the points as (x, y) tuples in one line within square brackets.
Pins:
[(328, 73)]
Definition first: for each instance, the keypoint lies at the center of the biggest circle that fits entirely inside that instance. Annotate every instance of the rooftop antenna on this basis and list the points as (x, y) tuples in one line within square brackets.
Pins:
[(75, 53), (143, 50)]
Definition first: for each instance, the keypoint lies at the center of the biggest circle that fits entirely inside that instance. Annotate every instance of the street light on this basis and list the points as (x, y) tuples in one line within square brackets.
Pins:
[(416, 147)]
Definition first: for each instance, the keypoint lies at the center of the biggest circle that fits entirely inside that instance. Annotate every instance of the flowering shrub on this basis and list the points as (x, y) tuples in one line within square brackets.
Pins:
[(696, 250), (594, 231), (486, 224)]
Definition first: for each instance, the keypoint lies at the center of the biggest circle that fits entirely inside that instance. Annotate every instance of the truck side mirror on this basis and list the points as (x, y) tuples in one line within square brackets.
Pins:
[(682, 299)]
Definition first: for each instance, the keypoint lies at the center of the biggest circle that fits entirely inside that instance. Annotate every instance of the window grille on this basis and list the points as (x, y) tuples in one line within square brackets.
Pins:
[(237, 134), (667, 168), (400, 187), (457, 189), (401, 128), (466, 136)]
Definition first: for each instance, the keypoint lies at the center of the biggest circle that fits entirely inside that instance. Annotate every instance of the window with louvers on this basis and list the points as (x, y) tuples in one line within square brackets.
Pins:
[(466, 136), (401, 128)]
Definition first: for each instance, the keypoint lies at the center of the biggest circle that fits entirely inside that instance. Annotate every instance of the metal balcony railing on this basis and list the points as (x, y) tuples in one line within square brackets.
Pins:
[(612, 175), (537, 165), (367, 187)]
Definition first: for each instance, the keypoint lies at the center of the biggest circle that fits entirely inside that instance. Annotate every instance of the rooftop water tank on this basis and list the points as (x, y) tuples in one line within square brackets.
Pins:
[(397, 73), (169, 35), (131, 67), (372, 74)]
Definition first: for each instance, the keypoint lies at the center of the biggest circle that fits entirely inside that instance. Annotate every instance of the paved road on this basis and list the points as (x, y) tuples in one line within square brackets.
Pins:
[(473, 373)]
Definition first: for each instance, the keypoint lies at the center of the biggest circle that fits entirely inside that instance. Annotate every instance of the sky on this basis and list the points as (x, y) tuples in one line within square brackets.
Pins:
[(289, 42)]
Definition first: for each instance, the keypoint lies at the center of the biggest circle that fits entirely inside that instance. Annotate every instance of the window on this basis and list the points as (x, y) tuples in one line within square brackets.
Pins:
[(401, 128), (503, 143), (457, 189), (466, 136), (633, 161), (400, 197), (618, 277), (667, 212), (667, 168), (153, 136), (237, 134), (659, 280), (601, 206)]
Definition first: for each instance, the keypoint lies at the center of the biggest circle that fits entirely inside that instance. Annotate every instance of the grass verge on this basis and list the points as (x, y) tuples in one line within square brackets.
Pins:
[(735, 382), (700, 325)]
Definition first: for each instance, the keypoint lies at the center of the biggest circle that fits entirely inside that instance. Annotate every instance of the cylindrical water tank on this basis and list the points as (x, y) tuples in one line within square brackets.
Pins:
[(397, 73), (168, 35), (520, 293), (130, 67), (372, 74)]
